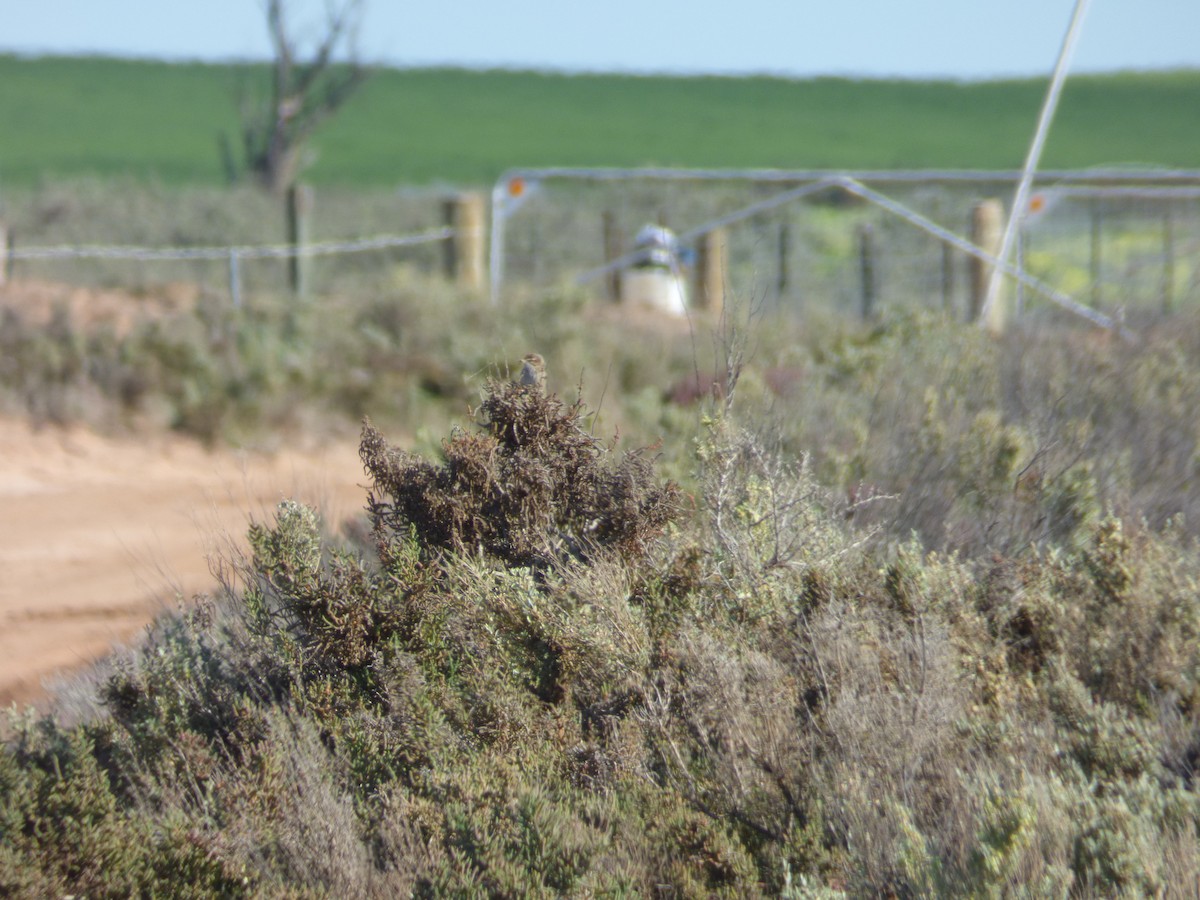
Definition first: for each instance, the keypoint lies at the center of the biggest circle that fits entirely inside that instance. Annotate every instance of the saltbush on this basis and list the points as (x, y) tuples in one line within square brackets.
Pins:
[(543, 669)]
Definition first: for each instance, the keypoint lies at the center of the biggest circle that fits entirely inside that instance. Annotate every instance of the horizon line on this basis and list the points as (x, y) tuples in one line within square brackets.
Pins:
[(587, 71)]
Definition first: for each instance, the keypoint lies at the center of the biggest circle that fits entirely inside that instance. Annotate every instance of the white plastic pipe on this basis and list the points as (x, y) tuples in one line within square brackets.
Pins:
[(1021, 198)]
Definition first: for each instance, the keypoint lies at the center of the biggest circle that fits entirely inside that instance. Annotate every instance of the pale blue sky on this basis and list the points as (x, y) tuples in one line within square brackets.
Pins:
[(912, 38)]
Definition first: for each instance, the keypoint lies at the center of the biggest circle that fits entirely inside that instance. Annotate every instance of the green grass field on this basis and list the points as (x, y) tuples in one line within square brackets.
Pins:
[(68, 117)]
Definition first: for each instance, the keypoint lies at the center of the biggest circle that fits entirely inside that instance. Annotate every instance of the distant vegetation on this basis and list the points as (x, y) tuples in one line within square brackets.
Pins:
[(82, 116)]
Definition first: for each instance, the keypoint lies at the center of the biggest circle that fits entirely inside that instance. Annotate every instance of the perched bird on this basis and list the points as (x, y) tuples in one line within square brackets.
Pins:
[(533, 371)]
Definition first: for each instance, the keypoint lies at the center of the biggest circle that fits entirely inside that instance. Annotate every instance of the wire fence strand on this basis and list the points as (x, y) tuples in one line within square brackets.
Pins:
[(276, 251)]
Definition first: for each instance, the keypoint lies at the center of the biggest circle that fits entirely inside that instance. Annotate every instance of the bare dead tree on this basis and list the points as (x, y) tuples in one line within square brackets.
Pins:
[(305, 90)]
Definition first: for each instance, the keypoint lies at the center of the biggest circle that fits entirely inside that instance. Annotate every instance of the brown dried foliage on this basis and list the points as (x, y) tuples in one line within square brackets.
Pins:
[(529, 487)]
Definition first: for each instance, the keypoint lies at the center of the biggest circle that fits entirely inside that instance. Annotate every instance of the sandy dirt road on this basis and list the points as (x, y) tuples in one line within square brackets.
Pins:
[(98, 534)]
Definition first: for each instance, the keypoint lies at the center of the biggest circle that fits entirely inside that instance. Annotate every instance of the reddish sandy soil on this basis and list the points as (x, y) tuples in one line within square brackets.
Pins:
[(98, 534)]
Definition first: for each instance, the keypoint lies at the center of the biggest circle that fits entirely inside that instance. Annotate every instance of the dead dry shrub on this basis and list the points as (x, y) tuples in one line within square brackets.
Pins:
[(529, 487)]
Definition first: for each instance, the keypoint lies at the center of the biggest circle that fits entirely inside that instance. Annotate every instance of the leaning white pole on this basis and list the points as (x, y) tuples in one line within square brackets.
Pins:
[(1021, 197), (496, 251)]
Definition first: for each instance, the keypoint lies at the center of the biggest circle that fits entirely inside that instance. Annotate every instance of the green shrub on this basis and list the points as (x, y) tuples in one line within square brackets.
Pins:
[(544, 671)]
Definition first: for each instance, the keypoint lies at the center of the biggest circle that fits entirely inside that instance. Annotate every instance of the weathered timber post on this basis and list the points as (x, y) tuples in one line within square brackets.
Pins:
[(463, 254), (299, 231), (612, 249), (868, 284), (712, 266), (987, 227)]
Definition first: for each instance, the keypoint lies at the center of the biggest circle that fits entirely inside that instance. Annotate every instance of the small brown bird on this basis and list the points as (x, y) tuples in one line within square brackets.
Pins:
[(533, 371)]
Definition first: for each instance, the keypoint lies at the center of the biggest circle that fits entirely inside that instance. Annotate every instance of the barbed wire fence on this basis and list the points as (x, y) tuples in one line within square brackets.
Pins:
[(454, 249), (1099, 243), (1103, 244), (234, 255)]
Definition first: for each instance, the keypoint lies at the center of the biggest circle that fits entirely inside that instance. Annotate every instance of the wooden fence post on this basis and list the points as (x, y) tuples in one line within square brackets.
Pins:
[(712, 264), (463, 254), (612, 249), (987, 224), (866, 269), (299, 231)]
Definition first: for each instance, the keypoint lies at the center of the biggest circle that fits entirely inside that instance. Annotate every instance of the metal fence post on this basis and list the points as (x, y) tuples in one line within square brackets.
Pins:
[(1019, 239), (1168, 286), (783, 275), (612, 249), (235, 278), (5, 252), (868, 284), (947, 277), (1096, 261)]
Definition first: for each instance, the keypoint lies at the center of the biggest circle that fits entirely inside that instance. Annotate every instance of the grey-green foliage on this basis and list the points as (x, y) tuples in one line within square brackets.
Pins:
[(541, 670)]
